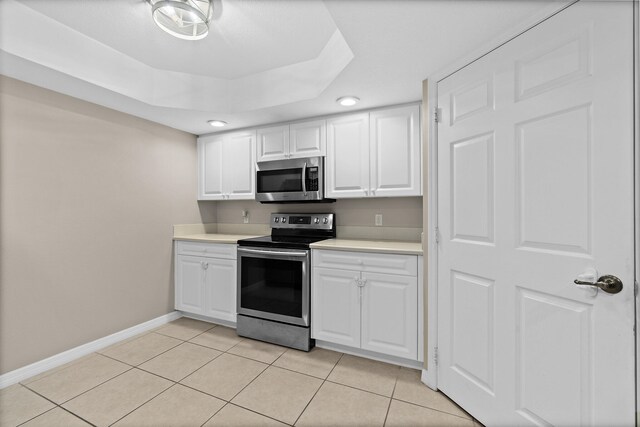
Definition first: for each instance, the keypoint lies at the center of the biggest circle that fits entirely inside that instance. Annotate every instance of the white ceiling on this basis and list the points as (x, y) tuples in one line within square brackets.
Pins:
[(263, 61)]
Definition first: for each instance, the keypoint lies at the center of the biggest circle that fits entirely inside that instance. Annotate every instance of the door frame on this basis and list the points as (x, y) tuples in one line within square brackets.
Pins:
[(430, 179), (636, 137)]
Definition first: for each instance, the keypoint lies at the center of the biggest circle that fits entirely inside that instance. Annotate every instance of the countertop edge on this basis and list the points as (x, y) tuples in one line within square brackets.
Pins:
[(214, 238), (381, 248)]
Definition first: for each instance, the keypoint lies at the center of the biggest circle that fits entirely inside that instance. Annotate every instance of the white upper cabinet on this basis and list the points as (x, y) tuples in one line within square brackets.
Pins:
[(347, 163), (239, 165), (210, 168), (395, 152), (374, 154), (226, 166), (304, 139), (273, 143), (307, 139)]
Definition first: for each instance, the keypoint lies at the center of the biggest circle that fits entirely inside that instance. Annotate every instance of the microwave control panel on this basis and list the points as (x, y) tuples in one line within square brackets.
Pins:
[(312, 179)]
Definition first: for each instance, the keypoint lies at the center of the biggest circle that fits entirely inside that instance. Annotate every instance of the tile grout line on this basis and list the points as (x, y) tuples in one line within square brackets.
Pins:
[(215, 413), (314, 394), (146, 360), (395, 384), (251, 382), (143, 403), (432, 409), (178, 381), (33, 418), (78, 416), (86, 391)]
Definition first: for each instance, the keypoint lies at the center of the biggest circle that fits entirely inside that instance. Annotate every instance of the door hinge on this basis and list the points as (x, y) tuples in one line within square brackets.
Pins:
[(437, 235), (437, 115), (435, 355)]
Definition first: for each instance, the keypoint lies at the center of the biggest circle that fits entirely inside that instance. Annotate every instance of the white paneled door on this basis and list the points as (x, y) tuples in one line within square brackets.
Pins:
[(535, 174)]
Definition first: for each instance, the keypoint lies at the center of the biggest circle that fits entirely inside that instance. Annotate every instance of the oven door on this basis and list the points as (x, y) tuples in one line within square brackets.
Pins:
[(274, 284)]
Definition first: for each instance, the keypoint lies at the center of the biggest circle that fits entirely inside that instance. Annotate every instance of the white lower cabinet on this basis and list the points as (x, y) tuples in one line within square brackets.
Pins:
[(335, 310), (206, 284), (357, 307), (390, 314)]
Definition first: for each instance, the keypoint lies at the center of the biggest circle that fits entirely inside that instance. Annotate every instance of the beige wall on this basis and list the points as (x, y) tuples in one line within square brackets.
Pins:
[(88, 197), (396, 211)]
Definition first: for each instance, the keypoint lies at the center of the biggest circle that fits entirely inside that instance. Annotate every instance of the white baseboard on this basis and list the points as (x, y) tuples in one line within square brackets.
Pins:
[(59, 359)]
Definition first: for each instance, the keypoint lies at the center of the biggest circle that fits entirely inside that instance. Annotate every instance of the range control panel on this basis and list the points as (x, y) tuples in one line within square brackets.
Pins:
[(296, 220)]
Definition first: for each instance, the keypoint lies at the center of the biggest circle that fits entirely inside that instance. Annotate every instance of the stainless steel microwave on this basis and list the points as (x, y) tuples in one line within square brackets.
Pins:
[(291, 181)]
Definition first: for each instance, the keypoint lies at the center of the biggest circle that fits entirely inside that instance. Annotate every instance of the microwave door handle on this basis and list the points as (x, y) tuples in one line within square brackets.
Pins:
[(304, 178)]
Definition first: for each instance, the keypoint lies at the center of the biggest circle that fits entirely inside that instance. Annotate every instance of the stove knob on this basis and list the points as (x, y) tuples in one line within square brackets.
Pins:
[(325, 220), (284, 219), (316, 220), (276, 219)]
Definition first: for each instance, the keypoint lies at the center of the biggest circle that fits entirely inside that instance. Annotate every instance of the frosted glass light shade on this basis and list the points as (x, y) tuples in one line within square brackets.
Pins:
[(185, 19)]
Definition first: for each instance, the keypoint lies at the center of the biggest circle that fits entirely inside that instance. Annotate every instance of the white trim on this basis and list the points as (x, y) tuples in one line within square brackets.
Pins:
[(430, 375), (59, 359), (426, 379), (636, 131), (414, 364)]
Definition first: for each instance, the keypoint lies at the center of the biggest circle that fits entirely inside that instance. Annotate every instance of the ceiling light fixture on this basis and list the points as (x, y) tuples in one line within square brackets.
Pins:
[(348, 101), (217, 123), (185, 19)]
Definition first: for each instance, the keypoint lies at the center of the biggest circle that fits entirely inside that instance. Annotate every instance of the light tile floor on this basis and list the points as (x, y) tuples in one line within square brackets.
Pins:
[(192, 373)]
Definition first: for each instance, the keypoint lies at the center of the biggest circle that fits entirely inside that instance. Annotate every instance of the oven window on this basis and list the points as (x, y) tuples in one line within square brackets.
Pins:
[(279, 181), (272, 286)]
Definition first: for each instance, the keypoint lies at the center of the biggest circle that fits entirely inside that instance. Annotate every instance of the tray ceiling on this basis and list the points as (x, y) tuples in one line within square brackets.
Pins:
[(263, 60)]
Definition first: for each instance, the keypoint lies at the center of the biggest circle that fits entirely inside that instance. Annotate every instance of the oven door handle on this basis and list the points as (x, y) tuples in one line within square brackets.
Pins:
[(261, 252)]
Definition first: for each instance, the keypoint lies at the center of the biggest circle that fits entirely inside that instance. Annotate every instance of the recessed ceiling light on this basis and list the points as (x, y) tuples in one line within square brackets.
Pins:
[(348, 101), (217, 123)]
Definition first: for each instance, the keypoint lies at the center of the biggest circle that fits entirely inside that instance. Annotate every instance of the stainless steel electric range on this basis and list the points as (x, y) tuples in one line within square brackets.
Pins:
[(274, 279)]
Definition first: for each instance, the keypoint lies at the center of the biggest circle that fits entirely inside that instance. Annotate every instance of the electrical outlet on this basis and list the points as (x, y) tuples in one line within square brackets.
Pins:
[(245, 220), (378, 219), (245, 216)]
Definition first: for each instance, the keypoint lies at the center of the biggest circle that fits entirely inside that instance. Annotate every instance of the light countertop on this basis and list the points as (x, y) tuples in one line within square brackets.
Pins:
[(383, 246), (214, 238)]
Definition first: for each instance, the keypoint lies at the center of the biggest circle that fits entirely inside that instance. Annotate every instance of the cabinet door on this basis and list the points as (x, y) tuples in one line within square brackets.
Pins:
[(390, 314), (239, 165), (335, 306), (307, 139), (220, 289), (273, 143), (189, 284), (210, 168), (347, 163), (395, 152)]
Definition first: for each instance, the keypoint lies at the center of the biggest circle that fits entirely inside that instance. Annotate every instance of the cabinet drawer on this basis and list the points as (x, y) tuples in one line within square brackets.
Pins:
[(213, 250), (406, 265)]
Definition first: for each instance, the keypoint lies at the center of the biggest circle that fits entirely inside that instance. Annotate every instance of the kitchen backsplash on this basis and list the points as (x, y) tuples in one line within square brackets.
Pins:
[(401, 217)]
